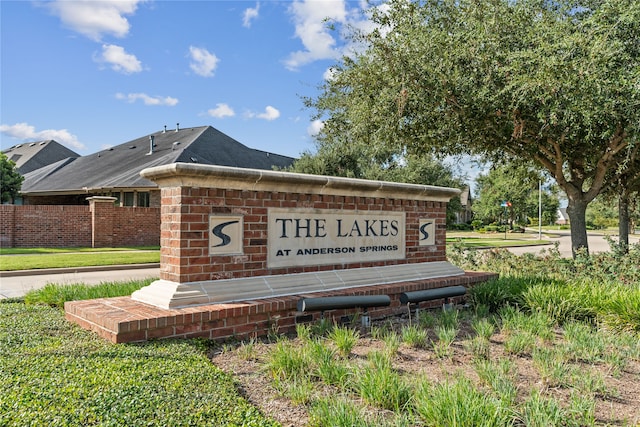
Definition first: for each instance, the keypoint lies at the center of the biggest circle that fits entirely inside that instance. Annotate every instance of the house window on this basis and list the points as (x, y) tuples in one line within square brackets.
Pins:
[(128, 198), (143, 199), (117, 196)]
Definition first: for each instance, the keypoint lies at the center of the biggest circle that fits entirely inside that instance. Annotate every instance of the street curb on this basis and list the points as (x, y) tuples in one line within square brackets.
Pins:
[(43, 271)]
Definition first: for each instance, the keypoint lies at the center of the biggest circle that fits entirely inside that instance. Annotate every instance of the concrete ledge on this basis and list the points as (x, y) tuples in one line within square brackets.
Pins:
[(167, 294), (215, 176), (125, 320)]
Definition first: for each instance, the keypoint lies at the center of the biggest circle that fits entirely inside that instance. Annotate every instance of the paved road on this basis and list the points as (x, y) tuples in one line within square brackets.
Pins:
[(597, 243), (17, 286)]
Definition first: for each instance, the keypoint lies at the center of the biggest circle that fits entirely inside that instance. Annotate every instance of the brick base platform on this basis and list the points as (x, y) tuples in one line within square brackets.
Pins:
[(123, 320)]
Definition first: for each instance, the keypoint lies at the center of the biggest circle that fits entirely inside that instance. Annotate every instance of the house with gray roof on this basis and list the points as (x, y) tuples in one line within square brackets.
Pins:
[(29, 156), (116, 171)]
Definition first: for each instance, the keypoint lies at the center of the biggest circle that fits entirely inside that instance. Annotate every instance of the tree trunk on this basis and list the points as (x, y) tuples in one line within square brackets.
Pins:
[(623, 223), (577, 209)]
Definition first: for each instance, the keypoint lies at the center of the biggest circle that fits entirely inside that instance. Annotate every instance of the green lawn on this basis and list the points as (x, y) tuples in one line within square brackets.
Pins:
[(28, 259), (44, 251)]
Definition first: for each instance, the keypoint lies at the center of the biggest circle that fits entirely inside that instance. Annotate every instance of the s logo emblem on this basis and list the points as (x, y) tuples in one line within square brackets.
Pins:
[(423, 230), (427, 229), (218, 232)]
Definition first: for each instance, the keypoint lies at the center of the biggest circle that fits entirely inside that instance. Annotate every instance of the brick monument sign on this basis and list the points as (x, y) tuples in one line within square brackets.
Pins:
[(239, 248)]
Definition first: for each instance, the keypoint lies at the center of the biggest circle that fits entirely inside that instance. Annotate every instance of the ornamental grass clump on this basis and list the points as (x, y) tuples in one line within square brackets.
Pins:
[(344, 339), (552, 366), (286, 360), (327, 367), (457, 402), (414, 336), (500, 376), (380, 385), (56, 295), (539, 410), (339, 411), (442, 346)]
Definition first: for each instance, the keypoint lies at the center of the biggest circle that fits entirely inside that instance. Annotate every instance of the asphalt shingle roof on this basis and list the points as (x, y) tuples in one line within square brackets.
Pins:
[(30, 156), (120, 166)]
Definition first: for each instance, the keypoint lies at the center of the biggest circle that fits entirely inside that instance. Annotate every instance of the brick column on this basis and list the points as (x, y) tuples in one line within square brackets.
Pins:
[(102, 213), (7, 225)]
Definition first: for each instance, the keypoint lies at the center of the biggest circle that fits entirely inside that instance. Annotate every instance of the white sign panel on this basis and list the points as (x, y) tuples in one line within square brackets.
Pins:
[(299, 237), (225, 234)]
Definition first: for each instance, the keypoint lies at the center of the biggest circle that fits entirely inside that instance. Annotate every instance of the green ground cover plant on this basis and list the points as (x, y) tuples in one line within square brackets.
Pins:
[(53, 373)]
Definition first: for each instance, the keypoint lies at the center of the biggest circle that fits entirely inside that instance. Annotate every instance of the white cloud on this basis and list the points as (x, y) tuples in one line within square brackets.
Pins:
[(203, 62), (94, 18), (315, 127), (270, 113), (309, 18), (26, 132), (147, 100), (249, 15), (119, 59), (221, 111)]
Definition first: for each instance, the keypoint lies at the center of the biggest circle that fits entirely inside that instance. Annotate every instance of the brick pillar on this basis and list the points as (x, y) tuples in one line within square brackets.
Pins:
[(7, 225), (102, 213)]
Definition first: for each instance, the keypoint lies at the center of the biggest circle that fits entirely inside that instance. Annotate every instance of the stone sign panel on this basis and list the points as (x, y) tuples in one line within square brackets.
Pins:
[(300, 237)]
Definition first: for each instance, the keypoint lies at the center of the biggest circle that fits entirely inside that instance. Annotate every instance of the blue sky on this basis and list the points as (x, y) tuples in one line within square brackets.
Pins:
[(93, 74)]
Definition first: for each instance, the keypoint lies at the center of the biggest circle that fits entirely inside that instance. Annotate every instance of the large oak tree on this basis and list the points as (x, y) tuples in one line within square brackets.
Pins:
[(556, 82)]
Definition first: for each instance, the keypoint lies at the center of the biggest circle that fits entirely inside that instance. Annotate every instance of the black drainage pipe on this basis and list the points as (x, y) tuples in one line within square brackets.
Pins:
[(343, 302), (335, 303), (432, 294)]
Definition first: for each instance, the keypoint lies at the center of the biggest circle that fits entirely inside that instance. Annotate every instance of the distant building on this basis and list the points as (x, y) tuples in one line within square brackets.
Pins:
[(562, 217), (116, 171), (30, 156), (465, 214)]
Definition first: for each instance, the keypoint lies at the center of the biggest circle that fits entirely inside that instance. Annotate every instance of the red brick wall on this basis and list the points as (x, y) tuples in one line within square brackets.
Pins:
[(71, 226), (46, 226), (136, 227), (184, 234)]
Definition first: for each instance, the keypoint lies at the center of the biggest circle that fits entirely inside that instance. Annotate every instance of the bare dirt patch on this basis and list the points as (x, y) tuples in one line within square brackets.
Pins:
[(617, 404)]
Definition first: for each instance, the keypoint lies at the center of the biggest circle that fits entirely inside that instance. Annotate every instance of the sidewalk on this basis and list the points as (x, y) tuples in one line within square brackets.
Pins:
[(15, 284)]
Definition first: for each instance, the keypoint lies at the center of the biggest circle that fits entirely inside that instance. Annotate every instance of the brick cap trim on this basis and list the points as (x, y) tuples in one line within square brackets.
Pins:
[(167, 294), (101, 199), (214, 176)]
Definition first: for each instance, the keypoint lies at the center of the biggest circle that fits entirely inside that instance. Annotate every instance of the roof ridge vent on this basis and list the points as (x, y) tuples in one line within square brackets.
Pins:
[(165, 129), (177, 127)]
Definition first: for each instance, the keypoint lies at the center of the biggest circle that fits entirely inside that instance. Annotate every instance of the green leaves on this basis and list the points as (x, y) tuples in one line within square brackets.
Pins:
[(54, 373), (10, 179), (553, 82)]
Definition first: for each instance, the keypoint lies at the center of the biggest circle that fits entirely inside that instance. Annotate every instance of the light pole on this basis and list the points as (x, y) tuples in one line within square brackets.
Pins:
[(539, 209)]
